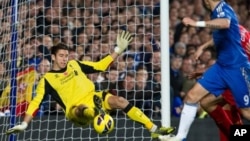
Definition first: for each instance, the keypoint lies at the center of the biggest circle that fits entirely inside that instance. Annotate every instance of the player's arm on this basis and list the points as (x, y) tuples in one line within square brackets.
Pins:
[(32, 108), (93, 67), (123, 40), (197, 54), (207, 44), (200, 49), (219, 23)]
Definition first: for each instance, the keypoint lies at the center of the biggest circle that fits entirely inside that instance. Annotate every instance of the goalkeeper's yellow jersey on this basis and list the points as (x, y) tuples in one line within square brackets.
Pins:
[(70, 86)]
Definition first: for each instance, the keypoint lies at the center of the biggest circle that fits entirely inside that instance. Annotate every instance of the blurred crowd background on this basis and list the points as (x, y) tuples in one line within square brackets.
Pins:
[(89, 28)]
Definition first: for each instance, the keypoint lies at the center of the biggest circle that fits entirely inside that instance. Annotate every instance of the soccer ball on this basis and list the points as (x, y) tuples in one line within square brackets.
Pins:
[(103, 124)]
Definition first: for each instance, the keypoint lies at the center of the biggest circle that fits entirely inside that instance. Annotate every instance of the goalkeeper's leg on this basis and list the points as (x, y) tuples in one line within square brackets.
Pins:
[(82, 114), (134, 113)]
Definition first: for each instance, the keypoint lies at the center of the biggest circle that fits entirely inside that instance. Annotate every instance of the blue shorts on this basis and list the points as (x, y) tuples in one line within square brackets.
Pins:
[(217, 79)]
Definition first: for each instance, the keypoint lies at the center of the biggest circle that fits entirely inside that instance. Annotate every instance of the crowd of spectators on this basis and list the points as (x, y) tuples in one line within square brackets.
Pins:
[(89, 28)]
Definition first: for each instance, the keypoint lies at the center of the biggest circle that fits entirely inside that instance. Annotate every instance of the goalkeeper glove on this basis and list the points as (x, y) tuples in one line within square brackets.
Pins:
[(122, 41), (17, 128)]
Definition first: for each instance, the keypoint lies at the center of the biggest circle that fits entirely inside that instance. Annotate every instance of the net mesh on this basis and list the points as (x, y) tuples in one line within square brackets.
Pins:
[(89, 28)]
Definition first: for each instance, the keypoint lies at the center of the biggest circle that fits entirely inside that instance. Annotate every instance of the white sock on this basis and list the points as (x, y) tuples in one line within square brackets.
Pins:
[(187, 117)]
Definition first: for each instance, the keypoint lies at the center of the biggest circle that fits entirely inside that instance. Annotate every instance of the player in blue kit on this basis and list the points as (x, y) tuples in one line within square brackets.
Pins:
[(231, 70)]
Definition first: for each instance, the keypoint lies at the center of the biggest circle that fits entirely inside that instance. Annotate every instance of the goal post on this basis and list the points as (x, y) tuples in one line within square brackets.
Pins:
[(165, 57), (29, 28)]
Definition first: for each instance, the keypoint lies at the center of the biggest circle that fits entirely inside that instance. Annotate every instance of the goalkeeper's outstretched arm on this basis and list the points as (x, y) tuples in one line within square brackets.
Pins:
[(32, 109), (123, 40), (21, 127)]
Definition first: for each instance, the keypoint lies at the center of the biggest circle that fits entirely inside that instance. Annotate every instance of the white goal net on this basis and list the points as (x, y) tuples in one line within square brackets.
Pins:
[(89, 28)]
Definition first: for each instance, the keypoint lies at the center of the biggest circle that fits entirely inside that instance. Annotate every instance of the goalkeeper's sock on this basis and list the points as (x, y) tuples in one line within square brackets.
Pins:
[(221, 119), (137, 115), (187, 117)]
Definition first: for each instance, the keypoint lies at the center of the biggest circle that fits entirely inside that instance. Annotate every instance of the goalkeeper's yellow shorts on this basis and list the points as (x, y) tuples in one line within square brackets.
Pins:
[(89, 102)]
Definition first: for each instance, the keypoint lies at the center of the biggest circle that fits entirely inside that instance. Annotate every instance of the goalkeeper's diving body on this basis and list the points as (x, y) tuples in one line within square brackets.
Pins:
[(68, 84)]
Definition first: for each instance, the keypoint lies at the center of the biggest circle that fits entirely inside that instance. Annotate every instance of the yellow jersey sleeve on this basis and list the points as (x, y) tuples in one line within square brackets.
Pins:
[(92, 67), (35, 103)]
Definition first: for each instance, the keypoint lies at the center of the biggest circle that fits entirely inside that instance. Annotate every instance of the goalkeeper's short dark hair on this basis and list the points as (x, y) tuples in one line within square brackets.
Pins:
[(55, 48)]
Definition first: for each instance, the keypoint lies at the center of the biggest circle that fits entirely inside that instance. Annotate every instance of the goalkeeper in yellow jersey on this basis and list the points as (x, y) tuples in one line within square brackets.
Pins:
[(68, 84)]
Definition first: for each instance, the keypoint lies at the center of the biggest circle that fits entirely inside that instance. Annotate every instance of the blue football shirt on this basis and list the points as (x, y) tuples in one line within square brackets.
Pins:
[(227, 41)]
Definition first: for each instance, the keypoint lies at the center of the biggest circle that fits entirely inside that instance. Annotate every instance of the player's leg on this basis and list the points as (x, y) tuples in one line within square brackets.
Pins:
[(231, 108), (189, 110), (133, 112), (212, 106), (83, 111), (188, 113), (115, 102), (81, 115), (210, 82), (235, 115)]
